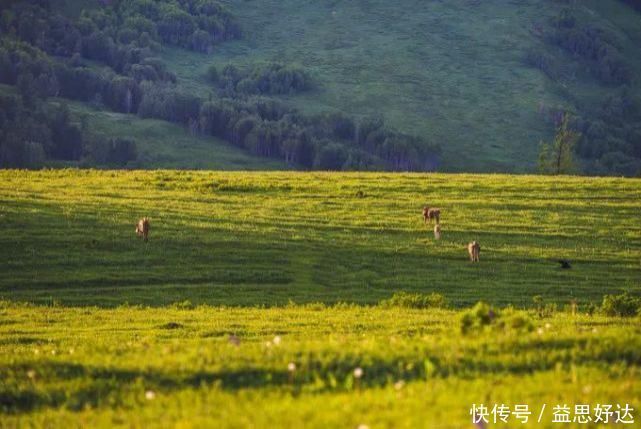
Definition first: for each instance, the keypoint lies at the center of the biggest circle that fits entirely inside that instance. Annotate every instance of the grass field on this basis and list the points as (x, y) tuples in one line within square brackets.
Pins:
[(246, 273), (266, 238), (451, 72), (173, 367)]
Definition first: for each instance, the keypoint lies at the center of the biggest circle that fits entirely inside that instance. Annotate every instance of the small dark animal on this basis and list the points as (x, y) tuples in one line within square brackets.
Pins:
[(431, 213), (437, 232), (142, 228), (474, 249), (565, 264)]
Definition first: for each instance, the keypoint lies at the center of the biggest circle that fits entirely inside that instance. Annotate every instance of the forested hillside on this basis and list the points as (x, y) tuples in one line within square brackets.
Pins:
[(338, 85)]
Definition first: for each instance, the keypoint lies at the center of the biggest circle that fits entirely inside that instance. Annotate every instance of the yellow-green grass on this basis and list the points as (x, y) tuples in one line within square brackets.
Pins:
[(100, 329), (266, 238), (176, 367)]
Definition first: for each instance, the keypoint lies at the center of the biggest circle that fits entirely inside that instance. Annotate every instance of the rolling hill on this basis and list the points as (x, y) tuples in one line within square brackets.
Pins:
[(465, 85)]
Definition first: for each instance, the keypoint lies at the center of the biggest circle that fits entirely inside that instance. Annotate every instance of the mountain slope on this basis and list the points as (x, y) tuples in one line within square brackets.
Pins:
[(453, 72), (339, 85)]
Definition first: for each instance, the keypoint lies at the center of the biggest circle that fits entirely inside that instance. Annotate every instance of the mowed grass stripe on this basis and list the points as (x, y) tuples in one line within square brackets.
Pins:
[(328, 236)]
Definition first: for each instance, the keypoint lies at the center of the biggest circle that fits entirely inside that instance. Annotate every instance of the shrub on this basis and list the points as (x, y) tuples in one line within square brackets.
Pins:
[(543, 309), (414, 300), (623, 305), (483, 316), (183, 305), (269, 78), (476, 318), (515, 321)]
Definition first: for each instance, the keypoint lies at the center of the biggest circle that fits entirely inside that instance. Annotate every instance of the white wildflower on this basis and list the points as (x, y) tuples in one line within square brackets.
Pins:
[(358, 372)]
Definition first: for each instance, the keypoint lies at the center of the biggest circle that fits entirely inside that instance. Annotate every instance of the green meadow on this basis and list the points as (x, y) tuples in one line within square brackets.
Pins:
[(260, 296), (452, 72)]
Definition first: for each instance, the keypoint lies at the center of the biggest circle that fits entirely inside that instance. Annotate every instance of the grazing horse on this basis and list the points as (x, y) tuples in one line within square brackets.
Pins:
[(474, 249), (142, 228), (431, 213), (437, 232)]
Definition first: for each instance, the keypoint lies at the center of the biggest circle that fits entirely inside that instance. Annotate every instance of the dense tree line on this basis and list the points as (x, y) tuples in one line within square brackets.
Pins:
[(123, 35), (39, 76), (266, 78), (595, 46), (610, 131), (32, 132), (49, 59), (261, 126), (121, 31), (329, 141), (634, 3)]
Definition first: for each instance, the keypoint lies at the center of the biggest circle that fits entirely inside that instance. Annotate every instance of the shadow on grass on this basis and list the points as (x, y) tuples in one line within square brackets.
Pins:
[(35, 385)]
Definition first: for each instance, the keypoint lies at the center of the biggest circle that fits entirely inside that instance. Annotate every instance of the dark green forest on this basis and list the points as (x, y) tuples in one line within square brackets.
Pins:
[(116, 56)]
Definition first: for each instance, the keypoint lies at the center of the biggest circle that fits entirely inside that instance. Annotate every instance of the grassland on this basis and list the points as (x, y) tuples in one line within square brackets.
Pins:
[(173, 367), (451, 72), (100, 329), (266, 238)]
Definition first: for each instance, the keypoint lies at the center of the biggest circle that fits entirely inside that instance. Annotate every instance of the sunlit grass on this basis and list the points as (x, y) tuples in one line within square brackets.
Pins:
[(99, 329), (177, 366), (266, 238)]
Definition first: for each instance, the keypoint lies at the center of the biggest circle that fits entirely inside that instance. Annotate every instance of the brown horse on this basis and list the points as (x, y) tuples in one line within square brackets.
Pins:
[(142, 228), (431, 213), (474, 249)]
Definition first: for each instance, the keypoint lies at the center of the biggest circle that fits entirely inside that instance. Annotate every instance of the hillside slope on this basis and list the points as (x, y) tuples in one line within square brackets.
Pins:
[(453, 72), (342, 85)]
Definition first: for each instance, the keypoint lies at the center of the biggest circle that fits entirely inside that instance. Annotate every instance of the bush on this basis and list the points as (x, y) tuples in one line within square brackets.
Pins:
[(269, 78), (476, 318), (623, 305), (511, 320), (482, 317), (414, 300), (543, 309)]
